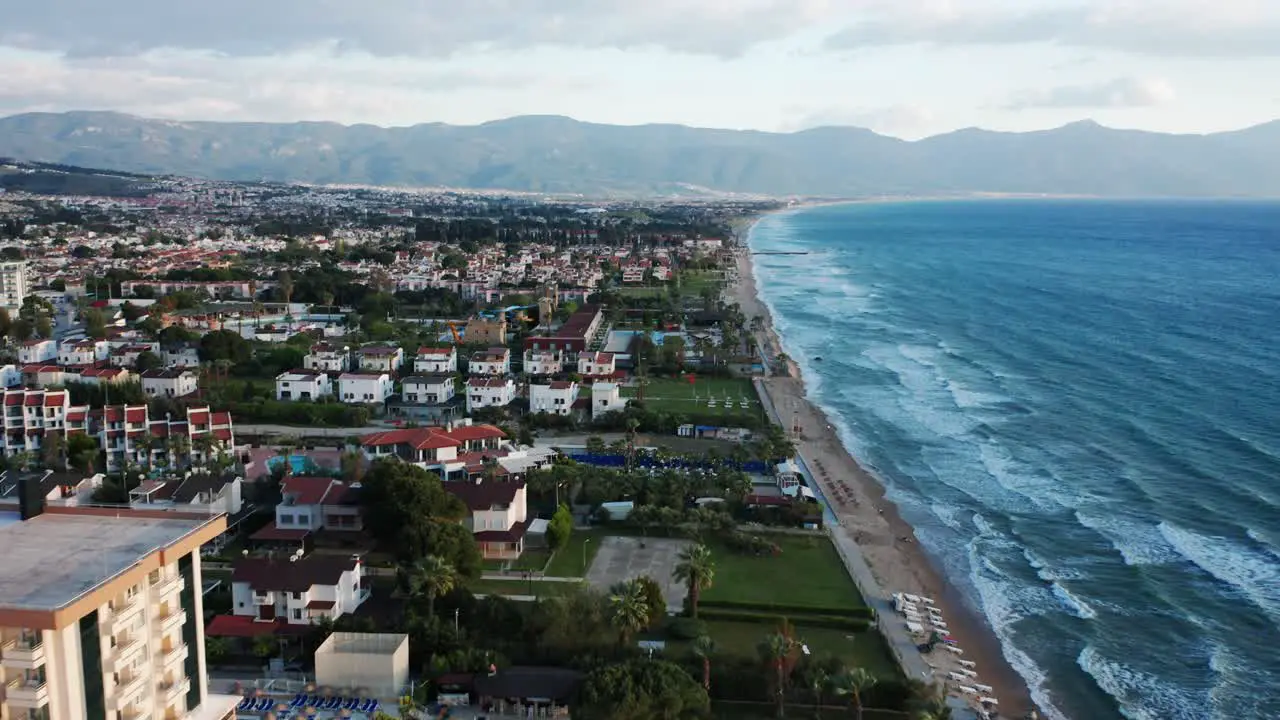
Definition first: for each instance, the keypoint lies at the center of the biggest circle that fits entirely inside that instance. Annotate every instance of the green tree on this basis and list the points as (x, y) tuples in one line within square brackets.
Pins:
[(640, 690), (216, 650), (95, 323), (653, 599), (852, 683), (44, 326), (560, 528), (778, 650), (595, 445), (696, 568), (629, 610), (224, 345), (409, 512), (53, 451), (21, 330), (703, 649), (430, 577), (147, 360), (819, 680), (6, 322), (265, 646)]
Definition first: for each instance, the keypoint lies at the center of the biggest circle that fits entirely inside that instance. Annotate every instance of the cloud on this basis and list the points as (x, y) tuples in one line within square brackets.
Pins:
[(427, 28), (194, 85), (1118, 93), (1170, 28)]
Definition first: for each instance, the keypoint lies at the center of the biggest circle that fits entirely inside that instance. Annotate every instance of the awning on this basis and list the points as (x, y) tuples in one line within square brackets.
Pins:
[(321, 605)]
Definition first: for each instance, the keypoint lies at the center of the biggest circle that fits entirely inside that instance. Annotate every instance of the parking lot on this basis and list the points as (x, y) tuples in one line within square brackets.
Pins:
[(624, 558)]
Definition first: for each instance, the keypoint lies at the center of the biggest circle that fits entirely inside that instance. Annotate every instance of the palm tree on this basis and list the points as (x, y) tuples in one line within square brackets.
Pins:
[(630, 610), (703, 648), (852, 683), (776, 650), (696, 568), (818, 681), (284, 448), (929, 703), (431, 577), (205, 445)]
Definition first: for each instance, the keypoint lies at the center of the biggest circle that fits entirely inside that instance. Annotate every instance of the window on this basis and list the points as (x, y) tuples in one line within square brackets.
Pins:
[(297, 596), (286, 519), (297, 614)]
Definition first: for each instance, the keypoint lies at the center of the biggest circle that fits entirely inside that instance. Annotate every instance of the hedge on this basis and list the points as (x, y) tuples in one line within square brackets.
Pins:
[(832, 622), (860, 612)]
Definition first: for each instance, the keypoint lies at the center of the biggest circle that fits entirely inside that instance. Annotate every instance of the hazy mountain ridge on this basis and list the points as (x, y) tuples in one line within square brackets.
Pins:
[(561, 155)]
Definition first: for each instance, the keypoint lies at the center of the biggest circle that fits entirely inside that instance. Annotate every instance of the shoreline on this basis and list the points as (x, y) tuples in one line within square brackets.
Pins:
[(866, 519)]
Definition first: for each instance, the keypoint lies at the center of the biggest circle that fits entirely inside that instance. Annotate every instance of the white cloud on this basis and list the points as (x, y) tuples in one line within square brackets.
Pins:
[(1118, 93), (425, 28), (1170, 28)]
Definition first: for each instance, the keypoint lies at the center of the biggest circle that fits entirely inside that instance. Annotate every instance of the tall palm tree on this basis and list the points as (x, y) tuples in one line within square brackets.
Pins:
[(776, 650), (204, 444), (852, 683), (430, 577), (703, 648), (630, 610), (819, 679), (696, 568)]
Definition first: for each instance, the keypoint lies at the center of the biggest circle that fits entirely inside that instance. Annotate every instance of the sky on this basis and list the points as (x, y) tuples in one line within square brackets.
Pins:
[(908, 68)]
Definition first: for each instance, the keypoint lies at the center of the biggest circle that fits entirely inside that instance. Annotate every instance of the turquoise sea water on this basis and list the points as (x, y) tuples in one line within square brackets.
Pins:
[(1077, 404)]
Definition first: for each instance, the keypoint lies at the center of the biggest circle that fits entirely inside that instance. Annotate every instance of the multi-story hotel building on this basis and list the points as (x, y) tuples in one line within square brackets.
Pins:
[(13, 284), (101, 616)]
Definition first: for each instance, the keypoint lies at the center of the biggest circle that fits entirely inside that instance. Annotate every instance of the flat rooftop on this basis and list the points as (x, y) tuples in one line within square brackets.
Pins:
[(51, 560)]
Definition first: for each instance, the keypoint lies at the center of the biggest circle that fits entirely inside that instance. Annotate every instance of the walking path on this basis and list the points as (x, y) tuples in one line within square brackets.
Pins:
[(904, 648)]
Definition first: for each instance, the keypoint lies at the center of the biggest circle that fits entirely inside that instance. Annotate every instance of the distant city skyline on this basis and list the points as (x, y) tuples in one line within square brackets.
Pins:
[(908, 68)]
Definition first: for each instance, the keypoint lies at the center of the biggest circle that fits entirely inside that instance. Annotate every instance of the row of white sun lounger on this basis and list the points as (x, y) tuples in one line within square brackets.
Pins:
[(918, 623)]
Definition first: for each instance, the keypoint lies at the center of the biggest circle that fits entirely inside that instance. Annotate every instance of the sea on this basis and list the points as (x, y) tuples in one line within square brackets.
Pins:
[(1077, 406)]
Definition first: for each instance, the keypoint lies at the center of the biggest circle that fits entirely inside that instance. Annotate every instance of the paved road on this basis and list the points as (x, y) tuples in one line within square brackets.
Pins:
[(895, 633), (289, 430)]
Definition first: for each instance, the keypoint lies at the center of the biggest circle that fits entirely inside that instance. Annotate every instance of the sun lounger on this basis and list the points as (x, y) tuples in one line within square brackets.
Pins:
[(926, 600), (332, 704), (264, 705), (938, 624), (954, 649), (968, 663), (983, 688), (933, 610), (915, 627), (247, 704), (369, 706), (967, 690), (299, 700), (956, 676), (911, 598), (988, 701), (968, 673), (351, 704)]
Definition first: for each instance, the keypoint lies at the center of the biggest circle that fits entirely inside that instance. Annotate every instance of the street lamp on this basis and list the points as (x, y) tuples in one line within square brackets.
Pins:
[(584, 556)]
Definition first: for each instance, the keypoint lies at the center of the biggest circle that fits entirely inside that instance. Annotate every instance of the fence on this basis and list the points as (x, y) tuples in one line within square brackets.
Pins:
[(754, 467)]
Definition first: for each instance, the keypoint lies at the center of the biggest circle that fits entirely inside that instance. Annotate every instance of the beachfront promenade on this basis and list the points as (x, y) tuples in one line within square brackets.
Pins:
[(895, 633)]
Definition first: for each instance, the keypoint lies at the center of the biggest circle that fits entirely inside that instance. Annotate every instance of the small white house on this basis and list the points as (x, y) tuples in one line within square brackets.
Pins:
[(365, 387), (328, 358), (599, 364), (170, 383), (37, 351), (485, 392), (543, 362), (429, 389), (494, 362), (303, 385), (180, 356), (556, 398), (82, 352), (436, 361), (606, 397), (10, 376), (381, 358), (299, 591)]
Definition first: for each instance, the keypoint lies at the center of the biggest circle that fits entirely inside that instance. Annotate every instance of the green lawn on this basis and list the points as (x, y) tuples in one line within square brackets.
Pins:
[(534, 559), (864, 649), (807, 573), (683, 397), (568, 562), (544, 588)]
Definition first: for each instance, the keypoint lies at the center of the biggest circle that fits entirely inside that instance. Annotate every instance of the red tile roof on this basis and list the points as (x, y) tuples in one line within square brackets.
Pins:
[(308, 490), (14, 398), (54, 399), (222, 434), (417, 438), (264, 574), (475, 432), (435, 351), (484, 494), (516, 532), (34, 399), (221, 418), (135, 415)]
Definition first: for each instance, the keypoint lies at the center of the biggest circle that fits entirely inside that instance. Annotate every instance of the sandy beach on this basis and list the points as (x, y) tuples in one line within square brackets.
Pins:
[(870, 521)]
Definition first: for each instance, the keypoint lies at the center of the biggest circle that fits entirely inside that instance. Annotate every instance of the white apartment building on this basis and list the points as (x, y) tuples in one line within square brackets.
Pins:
[(13, 284), (606, 397), (365, 387), (37, 351), (83, 352), (494, 361), (599, 364), (10, 376), (381, 358), (436, 361), (180, 356), (297, 592), (555, 398), (90, 627), (543, 362), (328, 358), (174, 383), (428, 389), (483, 392), (303, 385), (29, 414)]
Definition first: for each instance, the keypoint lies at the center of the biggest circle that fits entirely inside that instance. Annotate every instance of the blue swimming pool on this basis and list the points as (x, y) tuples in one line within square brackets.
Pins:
[(299, 465)]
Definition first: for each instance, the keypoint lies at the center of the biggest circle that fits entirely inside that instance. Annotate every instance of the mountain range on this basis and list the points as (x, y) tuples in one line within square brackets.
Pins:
[(551, 154)]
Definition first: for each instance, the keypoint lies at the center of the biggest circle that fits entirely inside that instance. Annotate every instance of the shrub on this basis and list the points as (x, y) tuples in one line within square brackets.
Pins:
[(745, 544), (860, 611), (685, 628), (833, 622)]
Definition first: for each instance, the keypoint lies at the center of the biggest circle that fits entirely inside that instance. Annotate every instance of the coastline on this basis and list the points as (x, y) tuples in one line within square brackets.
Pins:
[(866, 519)]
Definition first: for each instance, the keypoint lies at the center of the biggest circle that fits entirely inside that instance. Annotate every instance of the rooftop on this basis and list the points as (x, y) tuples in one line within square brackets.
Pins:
[(57, 557)]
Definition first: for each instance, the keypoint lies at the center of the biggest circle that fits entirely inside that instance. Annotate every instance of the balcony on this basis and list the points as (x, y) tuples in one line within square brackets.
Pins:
[(25, 693), (171, 620), (122, 614), (22, 654), (264, 600), (130, 690), (170, 692), (170, 657), (122, 654), (167, 586)]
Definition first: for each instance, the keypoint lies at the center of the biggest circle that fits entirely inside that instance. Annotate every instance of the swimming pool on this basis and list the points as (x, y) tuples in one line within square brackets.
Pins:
[(299, 465)]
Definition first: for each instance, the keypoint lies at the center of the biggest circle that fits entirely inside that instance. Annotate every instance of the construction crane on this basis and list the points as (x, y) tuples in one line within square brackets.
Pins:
[(453, 328)]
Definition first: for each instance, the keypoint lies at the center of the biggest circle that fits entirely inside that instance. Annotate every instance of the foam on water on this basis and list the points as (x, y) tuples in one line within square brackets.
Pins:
[(1253, 573), (1139, 543), (1144, 696), (1078, 607)]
